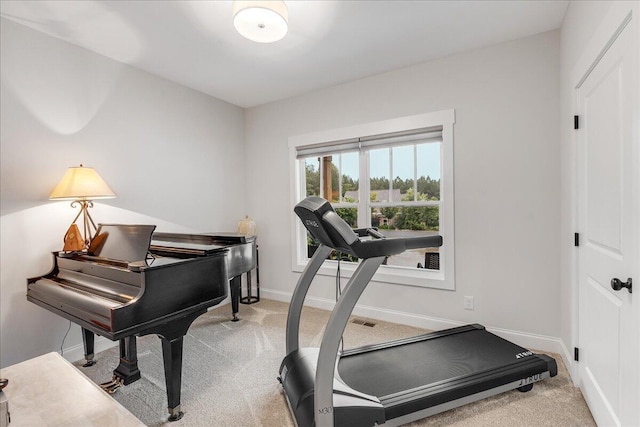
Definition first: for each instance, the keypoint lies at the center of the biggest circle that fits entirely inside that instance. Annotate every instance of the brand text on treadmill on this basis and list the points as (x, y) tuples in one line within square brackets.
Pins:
[(531, 379), (524, 354)]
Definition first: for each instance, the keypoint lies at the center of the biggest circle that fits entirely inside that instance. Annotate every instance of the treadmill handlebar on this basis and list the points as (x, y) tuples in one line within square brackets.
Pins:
[(392, 246), (373, 232), (369, 232), (423, 242), (363, 232)]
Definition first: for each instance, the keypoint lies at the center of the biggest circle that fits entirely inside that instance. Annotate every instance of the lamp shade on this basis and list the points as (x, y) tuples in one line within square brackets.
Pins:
[(261, 21), (81, 183)]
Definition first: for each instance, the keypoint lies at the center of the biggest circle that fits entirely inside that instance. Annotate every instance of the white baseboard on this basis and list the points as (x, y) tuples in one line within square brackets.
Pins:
[(537, 342), (524, 339), (572, 366), (75, 353)]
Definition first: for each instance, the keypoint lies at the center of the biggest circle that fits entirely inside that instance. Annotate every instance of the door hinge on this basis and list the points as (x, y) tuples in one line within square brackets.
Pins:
[(576, 122), (576, 239), (576, 354)]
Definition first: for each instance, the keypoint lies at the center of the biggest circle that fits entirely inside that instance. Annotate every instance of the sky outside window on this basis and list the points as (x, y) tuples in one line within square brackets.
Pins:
[(428, 162)]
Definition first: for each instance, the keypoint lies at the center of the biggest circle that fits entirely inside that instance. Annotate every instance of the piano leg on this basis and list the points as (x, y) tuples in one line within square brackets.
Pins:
[(88, 340), (234, 286), (172, 335), (172, 355), (127, 371)]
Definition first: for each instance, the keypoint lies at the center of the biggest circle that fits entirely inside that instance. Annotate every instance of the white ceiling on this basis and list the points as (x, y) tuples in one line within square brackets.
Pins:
[(329, 42)]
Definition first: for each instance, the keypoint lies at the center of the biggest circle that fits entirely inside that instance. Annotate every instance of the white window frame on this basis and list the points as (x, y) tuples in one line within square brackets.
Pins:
[(437, 279)]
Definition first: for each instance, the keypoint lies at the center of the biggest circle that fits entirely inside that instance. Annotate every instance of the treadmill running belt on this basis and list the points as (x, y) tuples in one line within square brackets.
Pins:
[(399, 368)]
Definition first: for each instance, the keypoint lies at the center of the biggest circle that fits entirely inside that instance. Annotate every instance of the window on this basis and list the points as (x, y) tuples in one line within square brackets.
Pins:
[(396, 175)]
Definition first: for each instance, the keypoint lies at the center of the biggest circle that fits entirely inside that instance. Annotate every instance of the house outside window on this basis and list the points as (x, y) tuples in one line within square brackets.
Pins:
[(395, 175)]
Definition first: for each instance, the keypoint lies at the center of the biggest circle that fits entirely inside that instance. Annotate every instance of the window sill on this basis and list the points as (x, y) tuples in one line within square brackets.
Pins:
[(422, 278)]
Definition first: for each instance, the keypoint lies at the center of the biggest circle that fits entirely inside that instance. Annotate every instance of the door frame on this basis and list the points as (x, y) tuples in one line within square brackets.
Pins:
[(605, 34)]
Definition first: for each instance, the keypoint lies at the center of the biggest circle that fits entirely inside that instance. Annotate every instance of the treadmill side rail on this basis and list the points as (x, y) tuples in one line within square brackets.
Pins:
[(435, 398), (427, 412)]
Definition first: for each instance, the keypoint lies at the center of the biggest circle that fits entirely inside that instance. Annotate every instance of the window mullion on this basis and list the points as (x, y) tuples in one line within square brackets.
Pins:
[(391, 175), (415, 172), (364, 218), (340, 178), (321, 176)]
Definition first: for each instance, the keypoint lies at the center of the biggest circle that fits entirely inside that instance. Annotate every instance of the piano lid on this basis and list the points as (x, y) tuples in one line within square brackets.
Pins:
[(195, 244), (221, 238), (123, 242)]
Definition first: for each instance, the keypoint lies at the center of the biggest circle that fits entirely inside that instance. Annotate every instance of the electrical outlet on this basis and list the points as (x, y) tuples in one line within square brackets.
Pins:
[(468, 303)]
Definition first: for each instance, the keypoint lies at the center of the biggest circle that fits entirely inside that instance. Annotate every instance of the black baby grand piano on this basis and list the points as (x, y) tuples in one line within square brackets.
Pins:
[(132, 282), (396, 382)]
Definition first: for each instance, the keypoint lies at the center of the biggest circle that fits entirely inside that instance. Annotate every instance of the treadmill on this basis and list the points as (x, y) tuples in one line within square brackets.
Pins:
[(396, 382)]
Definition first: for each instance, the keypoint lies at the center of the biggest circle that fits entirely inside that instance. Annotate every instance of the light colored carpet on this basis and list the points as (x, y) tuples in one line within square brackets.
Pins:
[(229, 376)]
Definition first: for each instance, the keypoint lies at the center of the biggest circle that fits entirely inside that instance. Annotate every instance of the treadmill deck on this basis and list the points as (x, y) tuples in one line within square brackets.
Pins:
[(390, 370)]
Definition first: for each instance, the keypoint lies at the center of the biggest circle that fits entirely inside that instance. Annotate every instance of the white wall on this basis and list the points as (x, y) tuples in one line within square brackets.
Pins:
[(507, 177), (174, 157)]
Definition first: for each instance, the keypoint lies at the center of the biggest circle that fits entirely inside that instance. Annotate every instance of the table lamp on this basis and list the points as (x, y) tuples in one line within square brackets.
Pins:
[(82, 185)]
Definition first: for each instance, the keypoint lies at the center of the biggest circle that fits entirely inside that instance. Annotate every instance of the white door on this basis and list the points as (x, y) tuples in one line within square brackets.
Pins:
[(608, 220)]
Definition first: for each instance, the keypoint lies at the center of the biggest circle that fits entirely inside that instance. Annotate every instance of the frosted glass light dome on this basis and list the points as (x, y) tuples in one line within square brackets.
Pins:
[(261, 21)]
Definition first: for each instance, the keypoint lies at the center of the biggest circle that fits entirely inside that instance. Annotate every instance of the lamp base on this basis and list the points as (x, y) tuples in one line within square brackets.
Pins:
[(87, 223)]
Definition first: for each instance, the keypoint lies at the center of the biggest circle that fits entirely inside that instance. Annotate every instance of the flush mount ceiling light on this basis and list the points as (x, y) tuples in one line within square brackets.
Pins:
[(260, 21)]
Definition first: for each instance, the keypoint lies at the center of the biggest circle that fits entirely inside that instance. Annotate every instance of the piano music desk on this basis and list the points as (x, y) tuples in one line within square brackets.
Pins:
[(50, 391)]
